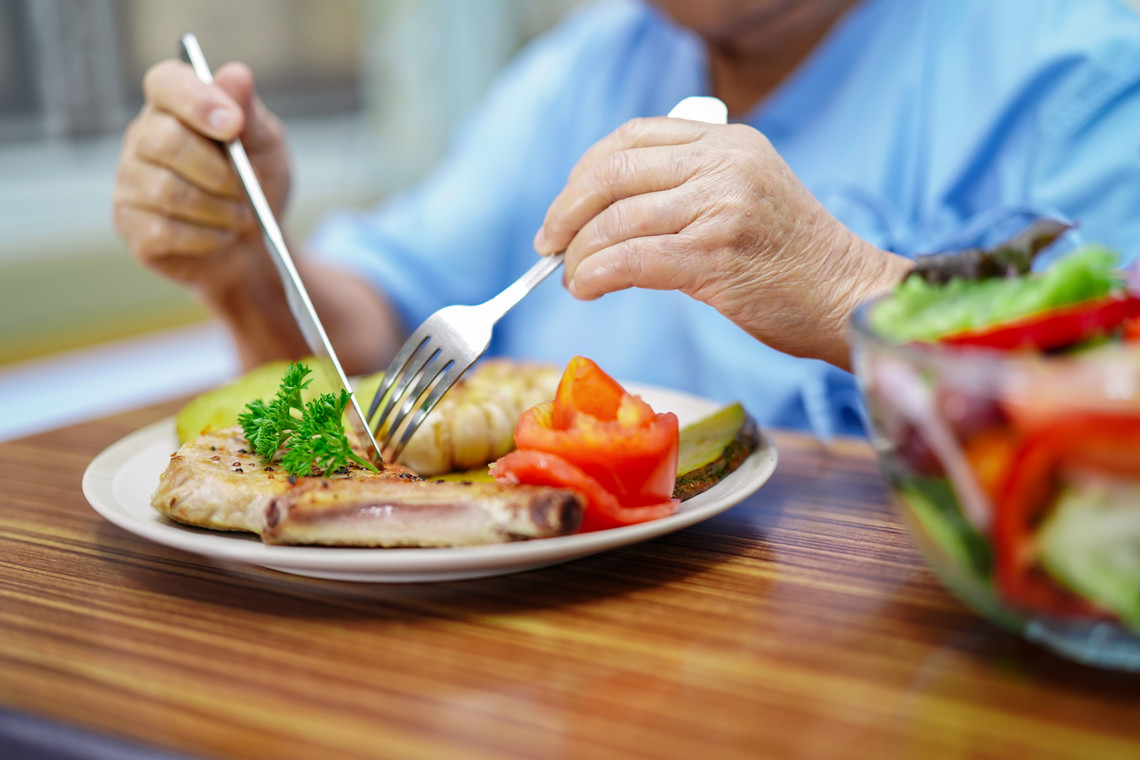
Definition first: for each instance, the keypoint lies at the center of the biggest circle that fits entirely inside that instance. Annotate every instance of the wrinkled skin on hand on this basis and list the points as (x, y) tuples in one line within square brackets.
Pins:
[(713, 211), (177, 202)]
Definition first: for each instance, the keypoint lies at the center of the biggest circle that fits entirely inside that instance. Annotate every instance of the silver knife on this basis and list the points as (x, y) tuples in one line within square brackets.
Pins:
[(295, 293)]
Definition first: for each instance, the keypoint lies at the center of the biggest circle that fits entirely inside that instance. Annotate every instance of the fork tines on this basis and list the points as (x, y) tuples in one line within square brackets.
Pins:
[(413, 384), (438, 353)]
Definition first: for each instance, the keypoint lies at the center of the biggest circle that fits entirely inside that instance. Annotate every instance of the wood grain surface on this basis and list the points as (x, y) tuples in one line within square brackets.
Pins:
[(799, 624)]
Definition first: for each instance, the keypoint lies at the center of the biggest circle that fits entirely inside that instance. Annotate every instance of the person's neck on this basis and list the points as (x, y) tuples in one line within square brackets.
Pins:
[(743, 77)]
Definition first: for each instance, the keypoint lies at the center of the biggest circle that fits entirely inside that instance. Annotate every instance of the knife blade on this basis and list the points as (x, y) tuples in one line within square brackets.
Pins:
[(295, 293)]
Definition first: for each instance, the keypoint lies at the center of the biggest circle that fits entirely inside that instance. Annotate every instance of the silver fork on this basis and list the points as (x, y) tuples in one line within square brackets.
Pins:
[(448, 342)]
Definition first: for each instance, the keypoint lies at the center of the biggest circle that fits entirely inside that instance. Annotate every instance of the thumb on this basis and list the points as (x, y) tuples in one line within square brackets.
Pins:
[(260, 131)]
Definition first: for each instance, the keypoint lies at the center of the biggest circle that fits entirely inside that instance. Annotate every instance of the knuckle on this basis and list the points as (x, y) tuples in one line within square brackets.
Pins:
[(176, 193), (152, 238), (161, 137), (617, 223), (158, 78), (158, 190), (123, 174), (631, 130), (218, 177), (131, 133), (120, 216), (152, 78), (613, 170), (634, 260), (746, 134), (155, 236)]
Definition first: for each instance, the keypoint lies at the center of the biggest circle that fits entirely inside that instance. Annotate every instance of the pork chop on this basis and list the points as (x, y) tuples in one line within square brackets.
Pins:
[(214, 481)]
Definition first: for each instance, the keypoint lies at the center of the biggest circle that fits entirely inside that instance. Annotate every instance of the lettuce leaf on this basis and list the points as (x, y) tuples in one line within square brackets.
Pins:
[(919, 310)]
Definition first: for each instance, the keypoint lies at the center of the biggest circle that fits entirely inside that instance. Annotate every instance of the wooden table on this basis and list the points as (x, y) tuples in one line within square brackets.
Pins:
[(799, 624)]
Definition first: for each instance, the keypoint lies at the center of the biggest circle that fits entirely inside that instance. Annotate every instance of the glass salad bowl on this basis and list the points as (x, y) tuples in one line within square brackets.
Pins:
[(1017, 474)]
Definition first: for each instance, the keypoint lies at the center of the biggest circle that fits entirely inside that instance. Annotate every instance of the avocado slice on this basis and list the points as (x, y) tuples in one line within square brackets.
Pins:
[(220, 407), (712, 447)]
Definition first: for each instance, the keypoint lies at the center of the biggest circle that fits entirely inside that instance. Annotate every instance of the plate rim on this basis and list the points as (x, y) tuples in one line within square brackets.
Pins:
[(406, 564)]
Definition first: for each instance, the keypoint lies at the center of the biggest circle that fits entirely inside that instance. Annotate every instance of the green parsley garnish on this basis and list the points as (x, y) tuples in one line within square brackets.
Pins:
[(304, 437)]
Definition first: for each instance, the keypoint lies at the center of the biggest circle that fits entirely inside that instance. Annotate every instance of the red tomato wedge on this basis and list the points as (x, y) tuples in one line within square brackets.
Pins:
[(585, 389), (595, 438), (602, 508), (1056, 328)]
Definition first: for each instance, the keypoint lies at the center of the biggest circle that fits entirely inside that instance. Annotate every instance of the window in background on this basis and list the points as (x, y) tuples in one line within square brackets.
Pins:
[(74, 65), (305, 55), (70, 69), (370, 91), (18, 104)]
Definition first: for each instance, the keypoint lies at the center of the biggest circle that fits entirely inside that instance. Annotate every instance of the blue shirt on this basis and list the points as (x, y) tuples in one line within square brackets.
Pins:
[(921, 125)]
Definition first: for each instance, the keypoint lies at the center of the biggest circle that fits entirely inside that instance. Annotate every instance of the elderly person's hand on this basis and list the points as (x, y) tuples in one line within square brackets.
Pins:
[(177, 202), (713, 211), (181, 210)]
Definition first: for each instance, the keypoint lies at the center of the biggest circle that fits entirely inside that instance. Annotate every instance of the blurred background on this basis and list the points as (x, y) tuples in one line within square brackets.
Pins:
[(370, 91)]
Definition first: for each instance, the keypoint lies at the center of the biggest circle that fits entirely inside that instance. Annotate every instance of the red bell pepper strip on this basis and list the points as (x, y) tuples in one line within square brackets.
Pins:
[(1102, 442), (596, 438), (1056, 328)]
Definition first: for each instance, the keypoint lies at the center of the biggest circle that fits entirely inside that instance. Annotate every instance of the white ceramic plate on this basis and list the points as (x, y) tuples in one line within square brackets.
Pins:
[(120, 480)]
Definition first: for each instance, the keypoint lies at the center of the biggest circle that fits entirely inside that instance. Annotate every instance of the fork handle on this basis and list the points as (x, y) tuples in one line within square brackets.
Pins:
[(517, 290)]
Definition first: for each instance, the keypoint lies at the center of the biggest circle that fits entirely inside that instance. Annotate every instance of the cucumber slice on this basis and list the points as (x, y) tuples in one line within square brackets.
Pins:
[(1090, 542), (713, 447)]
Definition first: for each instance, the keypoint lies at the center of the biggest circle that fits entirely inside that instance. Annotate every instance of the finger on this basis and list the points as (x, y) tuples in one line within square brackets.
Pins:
[(172, 86), (153, 237), (639, 133), (153, 188), (646, 215), (262, 130), (619, 175), (655, 262), (161, 139)]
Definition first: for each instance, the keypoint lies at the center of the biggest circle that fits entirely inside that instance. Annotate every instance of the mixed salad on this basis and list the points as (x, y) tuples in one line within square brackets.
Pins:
[(1018, 452)]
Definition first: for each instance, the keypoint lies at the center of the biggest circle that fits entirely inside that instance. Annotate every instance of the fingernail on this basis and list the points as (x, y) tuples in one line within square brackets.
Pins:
[(540, 239), (222, 119)]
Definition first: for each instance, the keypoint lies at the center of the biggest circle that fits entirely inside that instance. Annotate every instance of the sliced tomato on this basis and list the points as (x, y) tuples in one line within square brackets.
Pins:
[(586, 389), (602, 508), (1055, 328), (636, 463), (612, 437), (1100, 442)]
